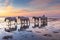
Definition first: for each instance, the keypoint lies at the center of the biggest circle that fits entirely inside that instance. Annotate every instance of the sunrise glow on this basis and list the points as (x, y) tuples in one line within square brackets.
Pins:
[(29, 8)]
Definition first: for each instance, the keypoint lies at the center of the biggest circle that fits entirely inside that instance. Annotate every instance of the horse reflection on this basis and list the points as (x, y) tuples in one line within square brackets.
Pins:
[(43, 21), (7, 37), (36, 25), (36, 21), (23, 27), (11, 29)]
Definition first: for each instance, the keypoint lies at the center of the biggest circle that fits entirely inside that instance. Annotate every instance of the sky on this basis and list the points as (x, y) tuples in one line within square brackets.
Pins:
[(50, 8)]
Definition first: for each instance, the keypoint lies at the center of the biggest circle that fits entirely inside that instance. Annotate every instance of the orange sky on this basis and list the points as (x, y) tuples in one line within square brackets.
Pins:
[(11, 11), (36, 8)]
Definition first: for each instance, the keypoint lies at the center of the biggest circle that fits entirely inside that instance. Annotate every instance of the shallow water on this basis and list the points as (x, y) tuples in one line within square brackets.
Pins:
[(53, 29)]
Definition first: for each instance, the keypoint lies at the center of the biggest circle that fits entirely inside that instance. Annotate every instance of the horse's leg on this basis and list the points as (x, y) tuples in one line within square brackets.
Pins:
[(15, 22), (34, 21), (21, 21), (28, 22), (10, 23)]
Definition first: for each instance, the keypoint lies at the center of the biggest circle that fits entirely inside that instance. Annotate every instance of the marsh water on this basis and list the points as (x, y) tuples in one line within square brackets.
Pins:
[(49, 32)]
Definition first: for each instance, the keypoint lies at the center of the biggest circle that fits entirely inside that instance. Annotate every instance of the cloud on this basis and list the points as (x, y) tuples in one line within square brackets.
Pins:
[(52, 10), (8, 2), (11, 11), (48, 7), (43, 3), (39, 2), (55, 6), (51, 13)]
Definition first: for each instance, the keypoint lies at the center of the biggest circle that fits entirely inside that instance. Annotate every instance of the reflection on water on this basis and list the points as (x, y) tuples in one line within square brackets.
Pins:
[(11, 29), (23, 27), (36, 25), (30, 32), (7, 37)]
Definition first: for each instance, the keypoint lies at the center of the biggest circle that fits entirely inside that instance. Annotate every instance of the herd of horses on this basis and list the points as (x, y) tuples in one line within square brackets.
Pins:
[(25, 20)]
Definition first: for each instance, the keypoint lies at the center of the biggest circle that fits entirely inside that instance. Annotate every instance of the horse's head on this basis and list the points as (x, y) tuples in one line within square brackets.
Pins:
[(7, 18), (18, 17)]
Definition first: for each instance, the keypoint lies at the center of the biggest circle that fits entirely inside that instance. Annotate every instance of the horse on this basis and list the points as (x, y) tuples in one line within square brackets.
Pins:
[(24, 19), (11, 19), (35, 18)]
